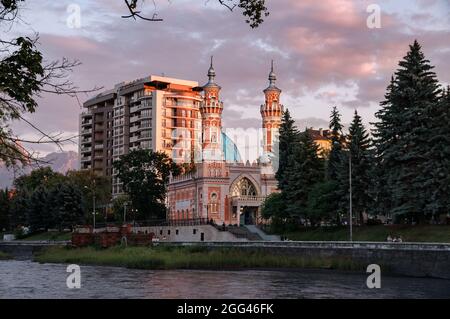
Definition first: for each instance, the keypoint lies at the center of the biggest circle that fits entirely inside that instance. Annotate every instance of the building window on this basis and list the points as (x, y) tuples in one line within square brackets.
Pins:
[(194, 231), (176, 232), (168, 232)]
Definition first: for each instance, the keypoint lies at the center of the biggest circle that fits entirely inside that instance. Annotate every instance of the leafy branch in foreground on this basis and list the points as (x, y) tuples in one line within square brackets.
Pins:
[(24, 76), (253, 10)]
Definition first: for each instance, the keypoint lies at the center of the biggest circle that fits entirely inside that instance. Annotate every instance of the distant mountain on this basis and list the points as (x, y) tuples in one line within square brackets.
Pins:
[(59, 162)]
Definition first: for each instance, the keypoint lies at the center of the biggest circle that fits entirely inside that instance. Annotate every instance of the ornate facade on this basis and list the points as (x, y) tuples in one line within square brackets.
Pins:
[(227, 191)]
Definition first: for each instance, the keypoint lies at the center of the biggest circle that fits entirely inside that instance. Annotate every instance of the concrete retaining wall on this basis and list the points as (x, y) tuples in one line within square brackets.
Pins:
[(417, 260), (189, 234)]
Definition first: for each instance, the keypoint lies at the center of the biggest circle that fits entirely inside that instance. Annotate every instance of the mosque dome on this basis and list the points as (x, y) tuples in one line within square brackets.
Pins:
[(230, 150)]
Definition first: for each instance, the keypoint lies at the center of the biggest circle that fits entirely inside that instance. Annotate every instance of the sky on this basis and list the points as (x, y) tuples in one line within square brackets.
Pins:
[(324, 53)]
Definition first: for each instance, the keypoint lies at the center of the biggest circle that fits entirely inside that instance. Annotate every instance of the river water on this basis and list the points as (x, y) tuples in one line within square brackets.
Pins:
[(27, 279)]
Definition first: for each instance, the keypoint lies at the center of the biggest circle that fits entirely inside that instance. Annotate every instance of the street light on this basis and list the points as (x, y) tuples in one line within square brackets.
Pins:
[(125, 212), (93, 199)]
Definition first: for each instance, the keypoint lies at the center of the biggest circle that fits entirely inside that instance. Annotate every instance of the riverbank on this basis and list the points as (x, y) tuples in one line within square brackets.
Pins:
[(378, 233), (4, 256), (190, 258), (49, 236)]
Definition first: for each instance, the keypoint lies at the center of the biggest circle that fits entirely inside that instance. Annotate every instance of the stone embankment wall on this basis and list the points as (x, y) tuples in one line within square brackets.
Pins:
[(415, 259)]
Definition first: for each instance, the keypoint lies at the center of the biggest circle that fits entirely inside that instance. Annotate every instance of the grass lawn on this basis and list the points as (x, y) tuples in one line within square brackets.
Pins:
[(4, 256), (188, 258), (55, 236), (419, 233)]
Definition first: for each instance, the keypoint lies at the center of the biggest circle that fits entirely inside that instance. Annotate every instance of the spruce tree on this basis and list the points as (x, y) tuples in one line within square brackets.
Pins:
[(362, 161), (337, 141), (438, 164), (305, 169), (288, 138), (334, 164), (403, 134)]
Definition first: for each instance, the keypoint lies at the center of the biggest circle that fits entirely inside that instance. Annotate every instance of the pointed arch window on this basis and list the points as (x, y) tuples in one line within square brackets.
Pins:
[(244, 187)]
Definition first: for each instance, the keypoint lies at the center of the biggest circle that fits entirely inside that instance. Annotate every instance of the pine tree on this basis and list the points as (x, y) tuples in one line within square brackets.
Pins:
[(438, 165), (288, 138), (4, 209), (403, 134), (304, 170), (337, 141), (362, 161), (69, 210), (39, 211)]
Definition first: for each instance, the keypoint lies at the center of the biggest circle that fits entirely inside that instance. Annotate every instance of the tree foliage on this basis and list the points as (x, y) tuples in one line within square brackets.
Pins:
[(254, 11), (359, 149), (407, 124), (24, 76), (288, 137), (145, 175), (305, 168)]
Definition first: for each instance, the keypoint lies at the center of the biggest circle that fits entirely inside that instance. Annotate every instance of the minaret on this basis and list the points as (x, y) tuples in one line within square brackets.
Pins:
[(271, 112), (211, 111)]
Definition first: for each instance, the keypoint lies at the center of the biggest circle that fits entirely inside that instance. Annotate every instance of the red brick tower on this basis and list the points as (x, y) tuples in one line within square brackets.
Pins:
[(211, 110), (271, 112)]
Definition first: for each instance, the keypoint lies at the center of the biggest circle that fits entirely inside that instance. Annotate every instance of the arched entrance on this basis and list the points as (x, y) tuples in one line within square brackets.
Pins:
[(246, 200)]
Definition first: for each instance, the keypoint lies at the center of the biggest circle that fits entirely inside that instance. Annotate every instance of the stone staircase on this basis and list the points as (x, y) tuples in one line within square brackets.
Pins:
[(243, 232), (261, 234)]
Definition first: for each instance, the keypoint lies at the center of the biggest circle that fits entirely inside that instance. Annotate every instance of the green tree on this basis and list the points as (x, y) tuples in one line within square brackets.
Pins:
[(274, 209), (288, 138), (337, 144), (321, 202), (19, 208), (359, 148), (438, 165), (305, 168), (39, 212), (118, 207), (38, 177), (66, 206), (90, 184), (145, 175), (403, 136), (254, 11), (5, 209)]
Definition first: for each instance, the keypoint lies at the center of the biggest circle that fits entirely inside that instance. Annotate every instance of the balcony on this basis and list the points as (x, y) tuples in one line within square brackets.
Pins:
[(145, 116), (85, 150), (86, 159), (98, 146), (86, 131), (134, 128), (86, 140), (134, 118), (134, 139), (145, 137), (86, 122)]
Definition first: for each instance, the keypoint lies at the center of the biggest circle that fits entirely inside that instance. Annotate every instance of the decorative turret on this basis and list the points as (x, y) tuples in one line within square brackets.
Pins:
[(211, 111), (211, 88), (271, 112)]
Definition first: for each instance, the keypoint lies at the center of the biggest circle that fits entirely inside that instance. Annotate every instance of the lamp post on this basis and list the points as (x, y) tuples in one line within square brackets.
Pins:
[(93, 200), (125, 212)]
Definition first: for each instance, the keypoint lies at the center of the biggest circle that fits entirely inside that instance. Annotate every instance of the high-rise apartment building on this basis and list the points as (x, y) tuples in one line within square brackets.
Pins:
[(157, 113)]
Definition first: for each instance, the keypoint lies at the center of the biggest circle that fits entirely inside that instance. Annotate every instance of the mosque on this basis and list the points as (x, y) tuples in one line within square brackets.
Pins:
[(222, 187)]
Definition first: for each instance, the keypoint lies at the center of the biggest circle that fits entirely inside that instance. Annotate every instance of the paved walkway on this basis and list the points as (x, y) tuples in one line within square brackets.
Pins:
[(256, 230)]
